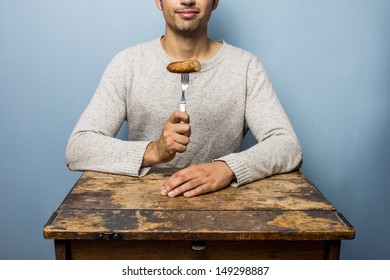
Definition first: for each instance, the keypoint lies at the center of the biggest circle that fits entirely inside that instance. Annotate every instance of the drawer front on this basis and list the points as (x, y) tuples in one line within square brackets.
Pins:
[(186, 250)]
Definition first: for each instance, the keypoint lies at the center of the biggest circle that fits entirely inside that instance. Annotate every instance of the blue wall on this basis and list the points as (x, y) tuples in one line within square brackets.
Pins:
[(328, 60)]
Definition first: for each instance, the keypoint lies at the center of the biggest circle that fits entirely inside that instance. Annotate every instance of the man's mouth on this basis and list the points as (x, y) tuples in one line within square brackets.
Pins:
[(188, 14)]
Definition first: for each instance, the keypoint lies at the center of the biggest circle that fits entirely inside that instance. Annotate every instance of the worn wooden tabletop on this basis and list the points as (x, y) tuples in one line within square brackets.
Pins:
[(282, 207)]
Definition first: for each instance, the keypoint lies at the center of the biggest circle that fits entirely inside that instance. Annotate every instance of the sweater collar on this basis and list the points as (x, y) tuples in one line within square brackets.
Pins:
[(207, 65)]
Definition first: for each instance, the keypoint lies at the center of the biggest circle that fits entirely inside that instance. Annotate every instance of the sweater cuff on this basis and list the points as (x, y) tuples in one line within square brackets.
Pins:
[(239, 168), (135, 157)]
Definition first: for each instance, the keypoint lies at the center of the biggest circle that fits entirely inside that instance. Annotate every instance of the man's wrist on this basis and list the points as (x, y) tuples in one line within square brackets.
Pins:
[(150, 156), (229, 174)]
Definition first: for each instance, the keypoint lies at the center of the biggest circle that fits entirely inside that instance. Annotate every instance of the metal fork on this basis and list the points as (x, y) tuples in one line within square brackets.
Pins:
[(185, 80)]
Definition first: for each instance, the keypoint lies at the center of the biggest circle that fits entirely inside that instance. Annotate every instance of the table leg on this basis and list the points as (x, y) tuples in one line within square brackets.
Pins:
[(333, 250), (62, 249)]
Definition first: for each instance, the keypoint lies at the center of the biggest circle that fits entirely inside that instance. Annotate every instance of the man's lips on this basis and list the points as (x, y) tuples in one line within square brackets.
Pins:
[(188, 14)]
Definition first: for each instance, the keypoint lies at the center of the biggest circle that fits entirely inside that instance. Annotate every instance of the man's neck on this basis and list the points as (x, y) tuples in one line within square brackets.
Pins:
[(180, 47)]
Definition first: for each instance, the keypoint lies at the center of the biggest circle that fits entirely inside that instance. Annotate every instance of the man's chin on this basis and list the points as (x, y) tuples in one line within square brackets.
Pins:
[(188, 30)]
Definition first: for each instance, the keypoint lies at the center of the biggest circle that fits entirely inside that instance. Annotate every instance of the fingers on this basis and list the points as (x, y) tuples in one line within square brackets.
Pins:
[(180, 128), (198, 179), (179, 116), (180, 122), (174, 137), (188, 189), (203, 189), (182, 182), (173, 142)]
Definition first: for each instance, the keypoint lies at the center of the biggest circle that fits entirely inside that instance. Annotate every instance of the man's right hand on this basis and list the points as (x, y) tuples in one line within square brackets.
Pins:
[(174, 138)]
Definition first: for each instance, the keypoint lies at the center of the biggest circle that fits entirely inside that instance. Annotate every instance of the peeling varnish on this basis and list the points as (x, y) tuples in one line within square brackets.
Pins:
[(302, 221)]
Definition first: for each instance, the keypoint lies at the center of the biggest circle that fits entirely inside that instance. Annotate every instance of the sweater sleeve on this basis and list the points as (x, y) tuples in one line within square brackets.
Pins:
[(278, 149), (92, 144)]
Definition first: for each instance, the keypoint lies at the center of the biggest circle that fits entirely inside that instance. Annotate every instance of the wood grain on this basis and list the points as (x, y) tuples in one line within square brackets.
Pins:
[(214, 250), (286, 206), (282, 192)]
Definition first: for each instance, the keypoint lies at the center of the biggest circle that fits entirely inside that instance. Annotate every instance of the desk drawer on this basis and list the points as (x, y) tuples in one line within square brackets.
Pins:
[(219, 250)]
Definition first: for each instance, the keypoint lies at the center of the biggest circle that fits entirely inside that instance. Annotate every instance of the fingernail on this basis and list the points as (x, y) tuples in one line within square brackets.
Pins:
[(164, 191), (171, 193)]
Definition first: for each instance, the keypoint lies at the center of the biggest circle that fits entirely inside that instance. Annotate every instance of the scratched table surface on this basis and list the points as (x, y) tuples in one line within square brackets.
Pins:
[(282, 207)]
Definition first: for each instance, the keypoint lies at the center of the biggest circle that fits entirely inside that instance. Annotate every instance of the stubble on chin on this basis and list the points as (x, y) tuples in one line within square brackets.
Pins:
[(186, 28)]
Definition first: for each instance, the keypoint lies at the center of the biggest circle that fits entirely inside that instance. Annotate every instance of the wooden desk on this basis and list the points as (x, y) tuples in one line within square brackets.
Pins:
[(109, 216)]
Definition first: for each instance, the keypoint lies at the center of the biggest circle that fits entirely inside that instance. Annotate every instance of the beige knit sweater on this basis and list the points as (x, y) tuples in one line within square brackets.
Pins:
[(230, 95)]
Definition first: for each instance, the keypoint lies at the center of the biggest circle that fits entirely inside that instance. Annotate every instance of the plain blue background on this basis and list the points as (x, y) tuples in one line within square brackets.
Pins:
[(328, 61)]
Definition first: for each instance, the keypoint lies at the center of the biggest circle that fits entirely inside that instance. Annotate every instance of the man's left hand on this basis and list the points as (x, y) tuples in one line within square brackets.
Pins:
[(198, 179)]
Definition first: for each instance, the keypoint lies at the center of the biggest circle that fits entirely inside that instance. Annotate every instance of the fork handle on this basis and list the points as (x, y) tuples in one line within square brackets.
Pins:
[(182, 106)]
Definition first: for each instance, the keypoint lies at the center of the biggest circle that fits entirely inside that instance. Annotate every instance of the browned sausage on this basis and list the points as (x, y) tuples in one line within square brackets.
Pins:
[(187, 66)]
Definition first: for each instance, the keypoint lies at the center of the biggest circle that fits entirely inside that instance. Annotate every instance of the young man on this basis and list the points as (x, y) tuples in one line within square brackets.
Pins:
[(230, 95)]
